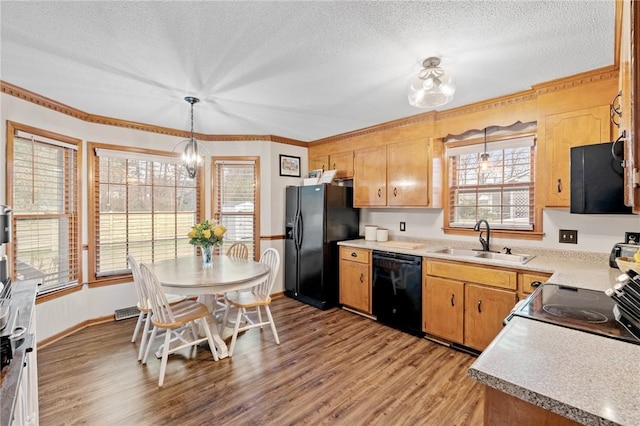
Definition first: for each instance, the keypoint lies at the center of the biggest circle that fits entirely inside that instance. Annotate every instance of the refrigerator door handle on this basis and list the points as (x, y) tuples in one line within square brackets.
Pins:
[(299, 235)]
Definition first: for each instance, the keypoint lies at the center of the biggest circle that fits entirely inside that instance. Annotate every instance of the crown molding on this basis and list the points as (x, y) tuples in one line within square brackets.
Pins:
[(414, 119), (35, 98), (587, 77)]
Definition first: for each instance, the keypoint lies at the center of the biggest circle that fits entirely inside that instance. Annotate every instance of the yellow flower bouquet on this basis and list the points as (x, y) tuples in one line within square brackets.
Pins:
[(206, 234)]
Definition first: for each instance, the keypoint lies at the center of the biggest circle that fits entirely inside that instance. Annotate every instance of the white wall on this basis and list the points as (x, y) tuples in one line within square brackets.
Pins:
[(596, 233), (63, 313)]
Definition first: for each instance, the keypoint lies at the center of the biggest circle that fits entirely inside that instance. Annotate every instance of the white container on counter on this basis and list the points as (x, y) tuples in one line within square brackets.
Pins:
[(370, 232), (382, 234)]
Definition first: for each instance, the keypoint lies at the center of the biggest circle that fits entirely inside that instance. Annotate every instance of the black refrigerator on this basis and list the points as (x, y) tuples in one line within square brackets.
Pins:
[(316, 218)]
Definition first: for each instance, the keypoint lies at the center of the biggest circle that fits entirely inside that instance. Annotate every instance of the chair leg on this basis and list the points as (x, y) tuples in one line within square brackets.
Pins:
[(137, 329), (259, 315), (236, 326), (152, 338), (144, 340), (212, 344), (194, 336), (273, 324), (225, 318), (165, 356)]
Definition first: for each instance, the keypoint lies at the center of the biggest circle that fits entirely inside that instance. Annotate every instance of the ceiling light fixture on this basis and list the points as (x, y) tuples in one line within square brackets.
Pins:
[(190, 156), (432, 86), (484, 157)]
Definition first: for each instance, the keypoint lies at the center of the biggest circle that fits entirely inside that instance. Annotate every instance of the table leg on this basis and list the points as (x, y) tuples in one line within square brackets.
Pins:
[(209, 301)]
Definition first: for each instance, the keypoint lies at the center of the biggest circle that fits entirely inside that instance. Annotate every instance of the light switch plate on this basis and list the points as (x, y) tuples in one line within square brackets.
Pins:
[(568, 236)]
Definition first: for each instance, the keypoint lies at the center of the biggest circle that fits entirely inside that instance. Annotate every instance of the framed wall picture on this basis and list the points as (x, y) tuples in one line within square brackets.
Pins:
[(289, 166)]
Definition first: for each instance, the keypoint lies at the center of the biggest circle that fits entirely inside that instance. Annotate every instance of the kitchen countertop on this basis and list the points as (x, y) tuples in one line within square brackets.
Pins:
[(23, 298), (588, 378)]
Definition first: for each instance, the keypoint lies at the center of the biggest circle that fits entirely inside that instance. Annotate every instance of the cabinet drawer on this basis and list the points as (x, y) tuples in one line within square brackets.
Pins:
[(355, 254), (527, 278), (473, 274)]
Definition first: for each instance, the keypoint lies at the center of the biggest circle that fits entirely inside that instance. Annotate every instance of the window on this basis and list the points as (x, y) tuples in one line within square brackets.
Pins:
[(43, 189), (143, 204), (236, 200), (503, 195)]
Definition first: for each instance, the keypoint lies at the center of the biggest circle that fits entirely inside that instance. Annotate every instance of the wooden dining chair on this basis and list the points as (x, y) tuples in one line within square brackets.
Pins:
[(178, 321), (239, 250), (259, 297), (144, 307)]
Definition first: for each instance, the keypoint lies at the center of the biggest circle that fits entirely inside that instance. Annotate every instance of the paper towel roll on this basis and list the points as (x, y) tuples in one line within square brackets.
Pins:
[(370, 232), (382, 234)]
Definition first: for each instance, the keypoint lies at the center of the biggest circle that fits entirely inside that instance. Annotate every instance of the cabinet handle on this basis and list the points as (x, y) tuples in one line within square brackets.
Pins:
[(616, 110), (334, 166), (452, 296), (379, 193), (535, 283), (559, 185), (361, 278), (395, 192), (354, 254), (479, 306)]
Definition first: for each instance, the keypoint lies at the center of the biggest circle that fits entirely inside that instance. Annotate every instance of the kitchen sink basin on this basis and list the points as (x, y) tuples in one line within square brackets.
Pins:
[(457, 252), (514, 258), (517, 258)]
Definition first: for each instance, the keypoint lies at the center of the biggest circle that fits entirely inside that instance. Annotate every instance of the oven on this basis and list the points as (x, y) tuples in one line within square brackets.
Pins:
[(582, 309)]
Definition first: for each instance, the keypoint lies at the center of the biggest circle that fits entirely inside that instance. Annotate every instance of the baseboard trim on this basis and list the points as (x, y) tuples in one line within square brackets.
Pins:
[(75, 328)]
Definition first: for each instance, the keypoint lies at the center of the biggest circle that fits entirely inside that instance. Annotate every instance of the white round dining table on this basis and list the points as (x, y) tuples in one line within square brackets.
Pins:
[(185, 275)]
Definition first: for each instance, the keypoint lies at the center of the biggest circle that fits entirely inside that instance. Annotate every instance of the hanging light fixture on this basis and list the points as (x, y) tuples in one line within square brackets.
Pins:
[(190, 157), (484, 157), (432, 86)]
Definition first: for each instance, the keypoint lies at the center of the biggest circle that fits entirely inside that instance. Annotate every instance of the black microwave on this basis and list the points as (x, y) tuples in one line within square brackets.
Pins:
[(597, 179)]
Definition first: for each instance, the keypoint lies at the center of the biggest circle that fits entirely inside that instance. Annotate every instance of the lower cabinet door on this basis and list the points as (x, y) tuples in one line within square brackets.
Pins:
[(443, 308), (485, 309), (355, 290)]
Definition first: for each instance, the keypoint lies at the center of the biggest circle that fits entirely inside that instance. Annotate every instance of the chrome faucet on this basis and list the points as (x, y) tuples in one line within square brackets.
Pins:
[(485, 243)]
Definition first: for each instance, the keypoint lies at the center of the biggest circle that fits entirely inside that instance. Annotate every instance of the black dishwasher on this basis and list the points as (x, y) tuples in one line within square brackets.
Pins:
[(397, 291)]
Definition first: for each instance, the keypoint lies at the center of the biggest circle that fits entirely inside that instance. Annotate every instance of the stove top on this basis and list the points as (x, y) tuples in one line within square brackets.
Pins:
[(577, 308)]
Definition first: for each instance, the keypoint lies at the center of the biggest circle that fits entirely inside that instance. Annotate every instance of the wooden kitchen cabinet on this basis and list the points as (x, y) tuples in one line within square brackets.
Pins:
[(525, 280), (403, 174), (627, 101), (319, 163), (370, 177), (443, 308), (485, 309), (341, 162), (562, 132), (355, 279), (466, 303)]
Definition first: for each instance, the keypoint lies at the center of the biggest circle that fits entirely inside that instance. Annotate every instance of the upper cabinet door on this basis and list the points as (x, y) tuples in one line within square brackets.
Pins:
[(319, 163), (408, 174), (343, 164), (370, 177), (566, 130)]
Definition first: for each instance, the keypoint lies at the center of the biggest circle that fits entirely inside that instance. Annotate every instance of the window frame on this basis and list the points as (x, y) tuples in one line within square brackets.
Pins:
[(74, 242), (93, 199), (532, 234), (256, 211)]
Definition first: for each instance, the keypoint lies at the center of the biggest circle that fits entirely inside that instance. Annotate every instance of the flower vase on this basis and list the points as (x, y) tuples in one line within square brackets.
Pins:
[(207, 256)]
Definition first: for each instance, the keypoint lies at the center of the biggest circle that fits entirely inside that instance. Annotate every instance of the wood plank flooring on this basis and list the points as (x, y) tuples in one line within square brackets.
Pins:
[(332, 367)]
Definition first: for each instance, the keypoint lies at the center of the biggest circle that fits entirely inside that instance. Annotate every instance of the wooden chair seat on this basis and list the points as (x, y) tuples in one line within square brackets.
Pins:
[(259, 298), (178, 320)]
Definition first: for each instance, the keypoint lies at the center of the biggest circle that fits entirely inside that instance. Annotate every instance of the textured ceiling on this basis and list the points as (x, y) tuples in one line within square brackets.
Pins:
[(303, 70)]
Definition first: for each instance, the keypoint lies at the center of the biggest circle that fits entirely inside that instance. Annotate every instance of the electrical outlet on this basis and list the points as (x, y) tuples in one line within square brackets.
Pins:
[(403, 227), (569, 236), (632, 237)]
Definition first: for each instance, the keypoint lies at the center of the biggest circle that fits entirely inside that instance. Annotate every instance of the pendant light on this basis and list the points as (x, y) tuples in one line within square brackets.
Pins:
[(190, 157), (432, 86), (484, 157)]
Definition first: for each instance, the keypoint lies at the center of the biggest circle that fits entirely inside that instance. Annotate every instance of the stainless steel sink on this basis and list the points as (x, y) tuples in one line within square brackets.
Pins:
[(514, 258), (457, 252), (517, 258)]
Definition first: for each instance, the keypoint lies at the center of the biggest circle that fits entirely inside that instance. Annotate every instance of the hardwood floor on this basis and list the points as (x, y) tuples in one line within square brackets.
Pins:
[(332, 367)]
